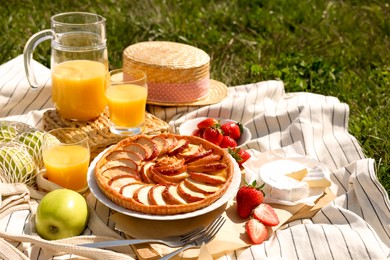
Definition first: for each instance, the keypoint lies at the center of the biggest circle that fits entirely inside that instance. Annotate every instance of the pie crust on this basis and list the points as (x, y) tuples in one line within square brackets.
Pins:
[(164, 174)]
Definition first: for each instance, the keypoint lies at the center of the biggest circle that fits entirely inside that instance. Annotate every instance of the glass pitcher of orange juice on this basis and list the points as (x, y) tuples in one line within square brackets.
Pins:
[(79, 63)]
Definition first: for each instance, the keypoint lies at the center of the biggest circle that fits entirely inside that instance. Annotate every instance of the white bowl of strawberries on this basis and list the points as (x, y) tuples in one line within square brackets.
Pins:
[(222, 132)]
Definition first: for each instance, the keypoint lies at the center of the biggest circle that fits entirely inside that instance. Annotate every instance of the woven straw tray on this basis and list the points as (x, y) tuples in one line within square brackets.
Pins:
[(98, 130)]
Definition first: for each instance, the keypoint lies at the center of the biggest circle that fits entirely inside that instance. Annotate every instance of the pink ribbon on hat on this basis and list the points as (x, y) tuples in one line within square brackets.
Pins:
[(178, 92)]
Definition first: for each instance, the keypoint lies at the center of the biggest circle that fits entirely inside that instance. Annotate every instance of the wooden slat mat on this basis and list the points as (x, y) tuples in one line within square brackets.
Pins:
[(98, 130)]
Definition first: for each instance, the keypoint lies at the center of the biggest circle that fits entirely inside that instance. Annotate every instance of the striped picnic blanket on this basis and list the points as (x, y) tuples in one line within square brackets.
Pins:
[(356, 225)]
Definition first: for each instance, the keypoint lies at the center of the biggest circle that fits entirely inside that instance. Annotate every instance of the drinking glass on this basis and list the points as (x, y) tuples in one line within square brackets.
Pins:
[(126, 97), (79, 63), (66, 155)]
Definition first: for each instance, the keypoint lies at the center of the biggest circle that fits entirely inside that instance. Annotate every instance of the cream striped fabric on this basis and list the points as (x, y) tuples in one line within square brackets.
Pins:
[(356, 225)]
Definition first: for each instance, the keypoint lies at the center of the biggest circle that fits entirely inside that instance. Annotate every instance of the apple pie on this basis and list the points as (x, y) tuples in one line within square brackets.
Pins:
[(164, 174)]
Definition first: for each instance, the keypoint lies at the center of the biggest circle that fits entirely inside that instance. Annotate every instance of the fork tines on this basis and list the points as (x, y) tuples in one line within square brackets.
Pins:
[(209, 231), (214, 228)]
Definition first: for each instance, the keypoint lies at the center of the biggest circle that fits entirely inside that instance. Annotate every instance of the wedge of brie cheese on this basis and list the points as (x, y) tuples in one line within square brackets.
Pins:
[(281, 187), (282, 179), (317, 178), (289, 180)]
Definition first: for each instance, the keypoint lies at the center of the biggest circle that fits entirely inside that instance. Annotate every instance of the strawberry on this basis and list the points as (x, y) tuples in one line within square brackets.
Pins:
[(248, 197), (239, 154), (208, 122), (256, 231), (266, 215), (227, 141), (213, 135), (198, 132), (232, 129)]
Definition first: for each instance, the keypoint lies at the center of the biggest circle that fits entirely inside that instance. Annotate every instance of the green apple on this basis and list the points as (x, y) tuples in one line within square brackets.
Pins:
[(10, 129), (17, 164), (60, 214), (33, 141), (7, 132)]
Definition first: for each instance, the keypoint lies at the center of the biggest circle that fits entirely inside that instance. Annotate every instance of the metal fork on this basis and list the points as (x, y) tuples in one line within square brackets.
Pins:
[(205, 237), (172, 241)]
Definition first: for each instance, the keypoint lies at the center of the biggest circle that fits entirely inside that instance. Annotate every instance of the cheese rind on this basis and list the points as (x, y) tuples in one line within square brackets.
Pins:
[(279, 184)]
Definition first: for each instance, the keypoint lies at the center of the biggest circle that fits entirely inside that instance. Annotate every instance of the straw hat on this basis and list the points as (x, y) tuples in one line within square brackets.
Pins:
[(178, 74)]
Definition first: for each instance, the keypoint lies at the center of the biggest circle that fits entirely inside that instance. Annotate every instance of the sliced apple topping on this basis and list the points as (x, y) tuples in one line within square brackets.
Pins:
[(172, 197), (170, 143), (205, 159), (171, 170), (167, 161), (207, 178), (120, 162), (170, 166), (157, 177), (145, 172), (200, 186), (149, 145), (156, 195), (166, 179), (210, 167), (190, 151), (142, 194), (188, 194), (199, 156), (138, 149), (121, 154), (119, 181), (161, 144), (118, 171), (129, 189), (179, 147)]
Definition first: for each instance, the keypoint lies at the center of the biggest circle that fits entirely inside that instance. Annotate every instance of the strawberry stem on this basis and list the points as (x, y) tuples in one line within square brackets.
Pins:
[(254, 185)]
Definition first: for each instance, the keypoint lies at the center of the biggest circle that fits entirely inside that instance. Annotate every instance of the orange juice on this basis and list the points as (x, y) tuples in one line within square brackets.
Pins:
[(67, 165), (127, 104), (78, 88)]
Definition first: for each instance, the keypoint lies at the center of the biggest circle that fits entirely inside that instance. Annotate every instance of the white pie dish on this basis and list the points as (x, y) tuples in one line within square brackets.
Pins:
[(188, 127), (94, 188)]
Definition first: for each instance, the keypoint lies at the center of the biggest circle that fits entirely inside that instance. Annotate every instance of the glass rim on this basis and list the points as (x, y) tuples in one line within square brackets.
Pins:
[(123, 80), (100, 19)]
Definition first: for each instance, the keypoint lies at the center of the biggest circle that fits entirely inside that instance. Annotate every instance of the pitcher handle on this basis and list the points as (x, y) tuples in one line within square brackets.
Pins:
[(31, 44)]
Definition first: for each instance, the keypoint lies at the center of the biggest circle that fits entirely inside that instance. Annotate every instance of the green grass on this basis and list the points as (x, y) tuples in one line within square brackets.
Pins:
[(338, 48)]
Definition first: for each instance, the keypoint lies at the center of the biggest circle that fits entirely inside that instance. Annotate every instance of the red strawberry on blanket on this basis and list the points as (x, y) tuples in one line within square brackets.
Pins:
[(232, 129), (239, 154), (248, 197), (266, 215), (256, 231)]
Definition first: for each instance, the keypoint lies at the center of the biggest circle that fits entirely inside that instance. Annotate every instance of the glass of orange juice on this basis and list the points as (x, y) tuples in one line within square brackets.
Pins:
[(126, 96), (66, 155)]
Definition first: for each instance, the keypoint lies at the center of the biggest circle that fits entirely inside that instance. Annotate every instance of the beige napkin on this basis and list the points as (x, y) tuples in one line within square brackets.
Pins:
[(231, 237)]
